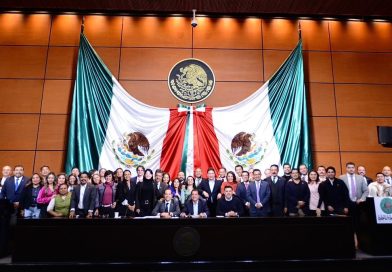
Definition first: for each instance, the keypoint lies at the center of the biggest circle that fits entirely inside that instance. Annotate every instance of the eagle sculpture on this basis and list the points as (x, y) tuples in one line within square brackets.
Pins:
[(243, 142), (138, 140)]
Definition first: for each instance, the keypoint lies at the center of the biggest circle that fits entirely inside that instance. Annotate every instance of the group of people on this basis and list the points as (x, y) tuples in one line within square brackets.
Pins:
[(107, 194)]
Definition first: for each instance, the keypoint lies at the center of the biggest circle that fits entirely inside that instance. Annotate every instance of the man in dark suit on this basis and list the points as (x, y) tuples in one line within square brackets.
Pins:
[(210, 190), (259, 194), (286, 171), (159, 185), (334, 194), (167, 208), (277, 185), (139, 175), (83, 198), (196, 206), (242, 191), (229, 205), (198, 177), (13, 186)]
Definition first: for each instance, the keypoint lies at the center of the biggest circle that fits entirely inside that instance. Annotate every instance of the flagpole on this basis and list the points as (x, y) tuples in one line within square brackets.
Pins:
[(82, 26), (299, 30)]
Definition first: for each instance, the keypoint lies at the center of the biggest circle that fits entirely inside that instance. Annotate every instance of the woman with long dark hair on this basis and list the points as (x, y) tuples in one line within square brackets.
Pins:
[(28, 199), (126, 196), (46, 194), (145, 195), (313, 183), (230, 181), (107, 196), (187, 189)]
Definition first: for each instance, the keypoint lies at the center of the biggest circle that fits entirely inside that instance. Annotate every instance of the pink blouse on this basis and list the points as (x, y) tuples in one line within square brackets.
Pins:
[(45, 195)]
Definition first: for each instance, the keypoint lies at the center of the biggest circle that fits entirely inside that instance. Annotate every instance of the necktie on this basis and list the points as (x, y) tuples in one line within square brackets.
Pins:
[(16, 184), (246, 186), (353, 189), (275, 180), (167, 207), (389, 180), (257, 191)]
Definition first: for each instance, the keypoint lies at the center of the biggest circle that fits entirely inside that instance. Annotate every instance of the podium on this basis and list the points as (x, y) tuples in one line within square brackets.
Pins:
[(184, 240), (373, 238)]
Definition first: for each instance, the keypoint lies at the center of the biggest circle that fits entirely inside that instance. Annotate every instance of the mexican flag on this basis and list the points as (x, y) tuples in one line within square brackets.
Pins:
[(109, 128)]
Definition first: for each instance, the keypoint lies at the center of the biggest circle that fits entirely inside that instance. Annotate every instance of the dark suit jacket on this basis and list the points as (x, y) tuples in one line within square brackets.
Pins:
[(264, 195), (335, 195), (26, 197), (124, 192), (173, 208), (161, 191), (213, 196), (277, 191), (8, 190), (201, 204), (89, 198), (242, 192), (368, 180)]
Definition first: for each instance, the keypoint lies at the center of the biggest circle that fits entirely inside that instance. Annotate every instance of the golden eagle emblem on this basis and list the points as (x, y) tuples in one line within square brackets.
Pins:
[(241, 143), (137, 140), (191, 80)]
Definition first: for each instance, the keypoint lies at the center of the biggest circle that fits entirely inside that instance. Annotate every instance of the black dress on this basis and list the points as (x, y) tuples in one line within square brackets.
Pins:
[(125, 192), (145, 197)]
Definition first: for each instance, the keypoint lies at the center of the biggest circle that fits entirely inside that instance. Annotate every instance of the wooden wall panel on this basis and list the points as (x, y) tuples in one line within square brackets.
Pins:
[(283, 34), (373, 162), (364, 100), (62, 62), (360, 134), (157, 32), (321, 99), (325, 134), (327, 159), (111, 58), (317, 65), (361, 36), (227, 33), (373, 68), (22, 61), (53, 132), (65, 30), (149, 63), (103, 30), (24, 29), (19, 131), (233, 65), (20, 96), (280, 34), (14, 157), (57, 96), (54, 159), (230, 93)]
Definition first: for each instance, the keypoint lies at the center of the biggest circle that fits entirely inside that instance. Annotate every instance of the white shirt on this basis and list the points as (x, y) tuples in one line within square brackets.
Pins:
[(212, 184), (82, 190), (3, 180), (388, 180), (349, 177), (197, 181), (195, 208)]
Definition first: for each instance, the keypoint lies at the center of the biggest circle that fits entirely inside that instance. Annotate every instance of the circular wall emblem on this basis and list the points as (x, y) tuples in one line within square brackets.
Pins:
[(386, 205), (186, 241), (191, 80)]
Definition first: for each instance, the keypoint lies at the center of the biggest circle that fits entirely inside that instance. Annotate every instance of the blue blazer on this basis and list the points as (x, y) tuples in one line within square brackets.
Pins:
[(213, 196), (264, 194), (8, 190), (202, 207), (242, 193)]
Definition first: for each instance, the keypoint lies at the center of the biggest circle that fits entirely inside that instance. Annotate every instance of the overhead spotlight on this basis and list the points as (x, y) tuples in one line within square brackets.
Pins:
[(194, 21)]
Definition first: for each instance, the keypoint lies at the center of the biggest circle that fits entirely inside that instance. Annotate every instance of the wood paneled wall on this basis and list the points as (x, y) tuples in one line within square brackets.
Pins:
[(348, 69)]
